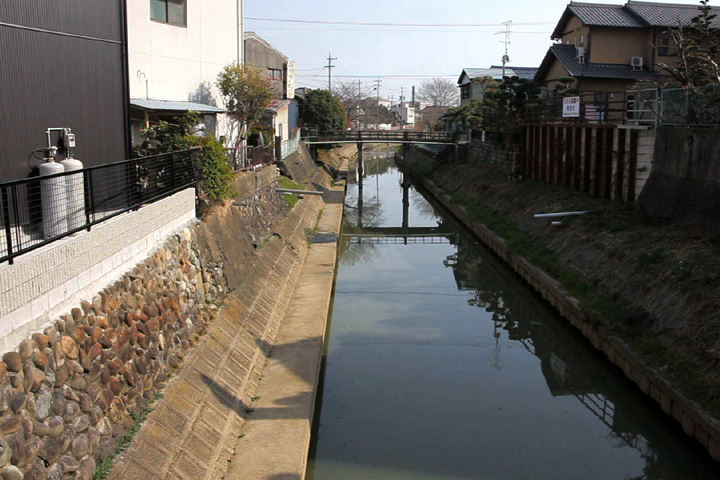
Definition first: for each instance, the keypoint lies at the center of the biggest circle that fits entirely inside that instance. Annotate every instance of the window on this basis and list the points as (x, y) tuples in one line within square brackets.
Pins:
[(274, 74), (664, 47), (465, 91), (169, 11)]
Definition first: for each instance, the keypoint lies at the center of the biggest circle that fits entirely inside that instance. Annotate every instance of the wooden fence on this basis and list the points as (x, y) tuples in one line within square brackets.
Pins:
[(597, 159)]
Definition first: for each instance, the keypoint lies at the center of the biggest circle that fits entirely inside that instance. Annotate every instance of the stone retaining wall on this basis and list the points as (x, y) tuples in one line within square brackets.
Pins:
[(482, 152), (694, 421), (66, 392)]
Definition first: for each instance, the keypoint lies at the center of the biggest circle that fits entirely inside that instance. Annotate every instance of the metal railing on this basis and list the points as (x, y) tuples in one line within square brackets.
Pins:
[(288, 147), (378, 135), (690, 106), (636, 107), (248, 158), (40, 210), (698, 107)]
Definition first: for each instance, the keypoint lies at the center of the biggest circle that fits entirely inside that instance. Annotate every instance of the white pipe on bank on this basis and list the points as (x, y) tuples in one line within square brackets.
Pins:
[(561, 214)]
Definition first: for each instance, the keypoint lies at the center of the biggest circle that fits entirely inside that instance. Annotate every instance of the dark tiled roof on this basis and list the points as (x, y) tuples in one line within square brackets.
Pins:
[(567, 56), (668, 15), (604, 15), (528, 73), (634, 14)]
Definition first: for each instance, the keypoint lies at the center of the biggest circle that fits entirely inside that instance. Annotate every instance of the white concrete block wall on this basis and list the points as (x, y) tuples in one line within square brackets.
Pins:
[(646, 151), (45, 283)]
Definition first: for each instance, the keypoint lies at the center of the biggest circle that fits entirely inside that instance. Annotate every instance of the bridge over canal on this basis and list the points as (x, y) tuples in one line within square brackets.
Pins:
[(361, 137)]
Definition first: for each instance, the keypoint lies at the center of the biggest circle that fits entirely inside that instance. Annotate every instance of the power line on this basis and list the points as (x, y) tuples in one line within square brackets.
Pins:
[(392, 24)]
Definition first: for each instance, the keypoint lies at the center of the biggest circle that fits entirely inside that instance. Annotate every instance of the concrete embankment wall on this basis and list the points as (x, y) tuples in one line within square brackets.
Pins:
[(194, 432), (684, 185), (66, 391), (693, 420)]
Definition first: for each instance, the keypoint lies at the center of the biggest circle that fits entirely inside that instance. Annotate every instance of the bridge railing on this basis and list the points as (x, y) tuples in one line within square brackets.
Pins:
[(377, 135)]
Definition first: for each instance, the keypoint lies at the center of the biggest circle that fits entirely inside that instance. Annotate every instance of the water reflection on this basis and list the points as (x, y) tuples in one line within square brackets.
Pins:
[(442, 364)]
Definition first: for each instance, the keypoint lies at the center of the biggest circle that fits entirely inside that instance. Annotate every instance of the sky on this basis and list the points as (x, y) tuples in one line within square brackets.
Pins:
[(404, 56)]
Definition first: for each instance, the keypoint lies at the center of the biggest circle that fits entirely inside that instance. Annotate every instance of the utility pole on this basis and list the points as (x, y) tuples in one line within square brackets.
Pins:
[(378, 82), (402, 94), (413, 96), (330, 66), (506, 57)]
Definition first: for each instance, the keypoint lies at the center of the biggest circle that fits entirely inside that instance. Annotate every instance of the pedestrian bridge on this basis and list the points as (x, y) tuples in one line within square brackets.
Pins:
[(379, 136)]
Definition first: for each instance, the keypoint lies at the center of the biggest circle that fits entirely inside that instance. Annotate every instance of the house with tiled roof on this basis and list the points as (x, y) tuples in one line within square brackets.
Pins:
[(472, 88), (610, 48)]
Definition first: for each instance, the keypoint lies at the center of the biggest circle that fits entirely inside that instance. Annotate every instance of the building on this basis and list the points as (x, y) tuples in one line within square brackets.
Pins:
[(280, 72), (405, 114), (66, 70), (176, 50), (471, 84), (430, 116), (609, 48)]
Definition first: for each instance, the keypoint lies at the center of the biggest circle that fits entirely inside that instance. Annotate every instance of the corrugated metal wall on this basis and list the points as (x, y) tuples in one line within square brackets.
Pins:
[(57, 80)]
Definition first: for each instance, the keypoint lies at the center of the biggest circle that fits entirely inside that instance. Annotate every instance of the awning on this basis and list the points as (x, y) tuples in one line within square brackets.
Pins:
[(173, 106)]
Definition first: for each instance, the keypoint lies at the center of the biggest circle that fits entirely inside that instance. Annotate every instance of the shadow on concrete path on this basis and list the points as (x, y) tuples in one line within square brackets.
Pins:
[(285, 476), (294, 406)]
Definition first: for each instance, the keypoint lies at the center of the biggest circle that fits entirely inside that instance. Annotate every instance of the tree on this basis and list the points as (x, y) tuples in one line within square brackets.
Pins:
[(351, 95), (439, 92), (697, 48), (246, 94), (323, 110)]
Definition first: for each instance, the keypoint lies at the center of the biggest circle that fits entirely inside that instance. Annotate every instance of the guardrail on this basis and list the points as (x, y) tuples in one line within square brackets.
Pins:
[(40, 210)]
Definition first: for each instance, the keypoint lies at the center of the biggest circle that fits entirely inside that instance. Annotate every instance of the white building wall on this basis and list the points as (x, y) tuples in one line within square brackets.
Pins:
[(175, 60)]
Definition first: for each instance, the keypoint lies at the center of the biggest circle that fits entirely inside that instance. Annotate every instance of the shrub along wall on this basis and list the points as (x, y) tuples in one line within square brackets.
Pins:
[(65, 395)]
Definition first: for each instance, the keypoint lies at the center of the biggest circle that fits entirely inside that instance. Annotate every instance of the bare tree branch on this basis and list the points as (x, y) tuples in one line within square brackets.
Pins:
[(439, 92)]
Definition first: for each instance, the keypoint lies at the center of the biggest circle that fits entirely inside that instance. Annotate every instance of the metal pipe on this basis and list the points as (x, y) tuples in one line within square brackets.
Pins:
[(560, 214), (299, 192)]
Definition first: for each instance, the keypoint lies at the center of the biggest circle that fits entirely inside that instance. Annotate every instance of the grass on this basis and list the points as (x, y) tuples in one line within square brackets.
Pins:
[(604, 308), (138, 417), (285, 182)]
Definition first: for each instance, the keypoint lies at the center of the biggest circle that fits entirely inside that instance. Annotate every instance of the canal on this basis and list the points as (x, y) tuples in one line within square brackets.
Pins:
[(442, 364)]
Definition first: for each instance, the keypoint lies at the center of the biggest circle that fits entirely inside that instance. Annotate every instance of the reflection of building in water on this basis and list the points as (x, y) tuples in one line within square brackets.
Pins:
[(568, 362)]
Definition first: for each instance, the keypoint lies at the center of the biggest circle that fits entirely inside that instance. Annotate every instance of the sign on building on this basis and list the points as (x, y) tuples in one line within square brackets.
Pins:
[(290, 80), (571, 107)]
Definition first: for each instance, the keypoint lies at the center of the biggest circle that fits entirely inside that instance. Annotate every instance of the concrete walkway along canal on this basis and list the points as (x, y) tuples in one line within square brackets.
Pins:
[(443, 364)]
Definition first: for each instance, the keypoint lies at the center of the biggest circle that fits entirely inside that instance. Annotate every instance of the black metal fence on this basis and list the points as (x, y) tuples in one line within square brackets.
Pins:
[(40, 210)]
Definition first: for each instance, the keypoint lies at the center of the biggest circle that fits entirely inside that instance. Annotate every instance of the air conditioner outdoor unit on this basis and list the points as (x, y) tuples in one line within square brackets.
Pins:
[(580, 54), (636, 63)]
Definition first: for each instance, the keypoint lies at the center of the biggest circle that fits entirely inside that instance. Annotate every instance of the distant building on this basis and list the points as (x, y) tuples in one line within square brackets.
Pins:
[(472, 87), (176, 49), (280, 72), (405, 113)]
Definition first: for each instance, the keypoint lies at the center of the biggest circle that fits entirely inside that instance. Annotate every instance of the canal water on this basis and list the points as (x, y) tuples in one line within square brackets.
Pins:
[(442, 364)]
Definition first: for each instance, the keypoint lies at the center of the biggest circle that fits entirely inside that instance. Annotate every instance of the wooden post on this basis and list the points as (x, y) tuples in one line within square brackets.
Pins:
[(599, 143), (552, 157), (588, 159), (543, 153), (620, 168), (577, 168), (536, 152), (569, 156), (632, 166), (607, 175)]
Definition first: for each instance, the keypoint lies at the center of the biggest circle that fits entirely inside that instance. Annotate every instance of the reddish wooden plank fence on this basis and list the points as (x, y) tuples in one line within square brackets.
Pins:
[(599, 159)]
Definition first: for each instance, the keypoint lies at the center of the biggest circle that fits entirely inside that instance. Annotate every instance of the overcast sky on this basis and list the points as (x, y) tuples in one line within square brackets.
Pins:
[(411, 52)]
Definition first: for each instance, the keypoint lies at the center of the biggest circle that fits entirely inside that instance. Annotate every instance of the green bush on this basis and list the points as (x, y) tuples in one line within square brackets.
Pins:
[(213, 169)]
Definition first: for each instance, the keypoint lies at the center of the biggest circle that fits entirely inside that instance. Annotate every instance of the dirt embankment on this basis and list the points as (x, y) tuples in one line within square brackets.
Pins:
[(656, 286)]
